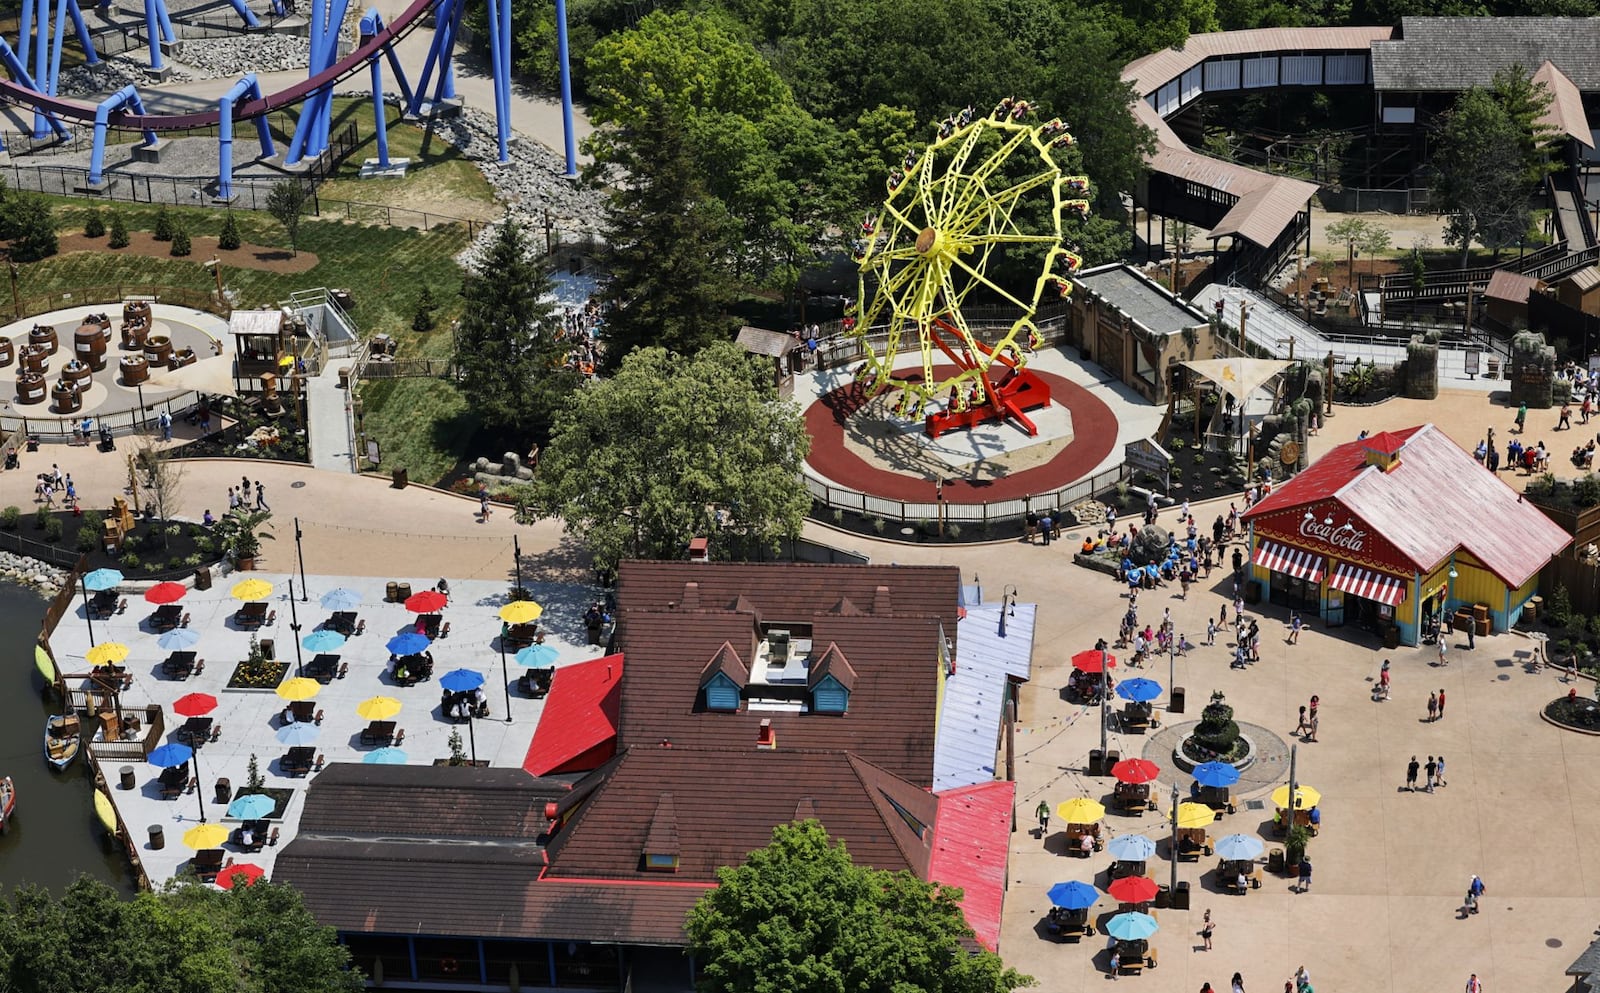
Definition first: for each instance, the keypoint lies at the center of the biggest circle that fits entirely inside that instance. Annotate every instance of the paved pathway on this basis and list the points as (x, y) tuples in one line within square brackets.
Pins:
[(330, 433)]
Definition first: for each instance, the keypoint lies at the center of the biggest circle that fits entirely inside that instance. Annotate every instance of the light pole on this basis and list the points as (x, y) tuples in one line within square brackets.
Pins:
[(1105, 704), (88, 615), (294, 625), (301, 555), (1174, 887), (1008, 605), (199, 791), (516, 552), (505, 675), (16, 301)]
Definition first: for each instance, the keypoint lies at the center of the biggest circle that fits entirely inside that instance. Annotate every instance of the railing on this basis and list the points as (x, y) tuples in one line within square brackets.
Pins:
[(976, 514), (408, 369), (61, 558), (152, 719)]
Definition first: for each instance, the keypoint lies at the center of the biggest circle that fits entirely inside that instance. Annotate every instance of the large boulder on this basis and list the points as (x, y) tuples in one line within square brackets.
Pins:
[(1149, 545)]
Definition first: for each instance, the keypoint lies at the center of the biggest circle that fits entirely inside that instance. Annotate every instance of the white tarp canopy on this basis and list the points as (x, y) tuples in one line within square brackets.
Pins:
[(1238, 377)]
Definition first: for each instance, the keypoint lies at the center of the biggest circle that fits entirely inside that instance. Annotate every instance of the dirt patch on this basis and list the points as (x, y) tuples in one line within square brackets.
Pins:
[(246, 256)]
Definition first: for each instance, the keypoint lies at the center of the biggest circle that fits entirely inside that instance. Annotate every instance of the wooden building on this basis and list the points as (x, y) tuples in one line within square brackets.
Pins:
[(1134, 328)]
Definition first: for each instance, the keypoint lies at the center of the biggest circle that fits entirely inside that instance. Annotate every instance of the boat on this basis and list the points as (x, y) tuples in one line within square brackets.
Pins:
[(61, 740), (106, 812), (8, 802)]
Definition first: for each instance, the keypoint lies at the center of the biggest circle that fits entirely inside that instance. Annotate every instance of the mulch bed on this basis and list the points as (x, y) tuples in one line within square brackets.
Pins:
[(203, 247), (155, 557)]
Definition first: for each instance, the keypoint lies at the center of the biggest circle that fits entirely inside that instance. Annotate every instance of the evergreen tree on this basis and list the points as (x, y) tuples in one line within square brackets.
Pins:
[(180, 242), (287, 204), (229, 239), (95, 225), (164, 228), (119, 231), (1480, 176), (33, 229), (422, 317), (670, 244)]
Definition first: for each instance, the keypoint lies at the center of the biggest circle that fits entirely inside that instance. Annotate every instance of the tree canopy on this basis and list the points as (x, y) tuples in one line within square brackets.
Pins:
[(1480, 176), (189, 938), (800, 917), (673, 447)]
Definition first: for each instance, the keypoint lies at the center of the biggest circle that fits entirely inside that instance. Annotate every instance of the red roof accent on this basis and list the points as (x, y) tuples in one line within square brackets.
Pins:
[(578, 729), (1386, 442), (970, 843)]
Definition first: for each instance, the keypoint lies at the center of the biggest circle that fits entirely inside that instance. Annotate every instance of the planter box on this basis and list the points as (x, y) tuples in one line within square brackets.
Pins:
[(267, 676)]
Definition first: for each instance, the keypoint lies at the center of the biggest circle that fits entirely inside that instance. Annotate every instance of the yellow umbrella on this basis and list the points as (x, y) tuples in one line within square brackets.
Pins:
[(1080, 810), (299, 688), (378, 708), (1305, 797), (520, 612), (252, 589), (1193, 815), (41, 659), (205, 836), (107, 653)]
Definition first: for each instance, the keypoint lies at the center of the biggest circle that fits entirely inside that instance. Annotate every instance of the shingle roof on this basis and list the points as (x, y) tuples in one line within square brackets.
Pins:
[(1453, 53), (760, 341), (1510, 286), (353, 799), (833, 663), (1583, 279), (1565, 111), (1141, 299), (1150, 72), (727, 662)]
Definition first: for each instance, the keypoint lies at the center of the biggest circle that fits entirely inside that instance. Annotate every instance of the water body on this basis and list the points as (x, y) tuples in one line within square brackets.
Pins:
[(54, 836)]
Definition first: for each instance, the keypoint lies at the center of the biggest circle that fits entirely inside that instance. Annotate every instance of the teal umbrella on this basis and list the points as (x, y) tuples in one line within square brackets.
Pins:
[(385, 756), (323, 640), (102, 579), (537, 655), (252, 807), (1132, 926)]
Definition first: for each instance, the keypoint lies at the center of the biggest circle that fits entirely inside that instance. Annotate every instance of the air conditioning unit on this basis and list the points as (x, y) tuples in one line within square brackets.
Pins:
[(778, 648)]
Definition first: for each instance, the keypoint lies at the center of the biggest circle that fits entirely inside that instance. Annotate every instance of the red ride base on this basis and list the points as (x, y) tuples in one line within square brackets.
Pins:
[(1021, 391)]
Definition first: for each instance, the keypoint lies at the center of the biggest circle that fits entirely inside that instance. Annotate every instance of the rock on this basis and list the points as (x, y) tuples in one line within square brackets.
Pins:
[(1149, 545)]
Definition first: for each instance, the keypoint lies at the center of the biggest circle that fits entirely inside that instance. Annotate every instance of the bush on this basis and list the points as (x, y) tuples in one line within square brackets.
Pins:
[(192, 560), (1217, 731), (1586, 491), (180, 243), (95, 225), (205, 546), (164, 228), (422, 317), (31, 227), (93, 519), (229, 238), (131, 561), (40, 515), (10, 518), (176, 562), (119, 232), (52, 529), (88, 539), (1578, 628), (1559, 610)]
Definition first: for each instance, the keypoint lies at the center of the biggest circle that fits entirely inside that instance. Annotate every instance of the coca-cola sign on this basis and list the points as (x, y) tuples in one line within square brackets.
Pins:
[(1341, 536)]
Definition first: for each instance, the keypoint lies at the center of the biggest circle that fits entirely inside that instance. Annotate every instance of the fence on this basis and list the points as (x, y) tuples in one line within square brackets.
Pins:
[(903, 512), (406, 369), (1345, 200)]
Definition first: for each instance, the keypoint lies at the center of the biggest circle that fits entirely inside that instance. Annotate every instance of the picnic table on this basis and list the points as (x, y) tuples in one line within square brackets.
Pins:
[(173, 781), (166, 617), (519, 636), (179, 664), (103, 604), (195, 731), (378, 733), (303, 712), (323, 668), (536, 682), (207, 863), (258, 836), (429, 623), (342, 621), (251, 615), (298, 760)]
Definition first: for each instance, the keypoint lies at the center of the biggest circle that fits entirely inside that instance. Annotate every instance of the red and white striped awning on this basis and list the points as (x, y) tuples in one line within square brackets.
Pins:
[(1298, 563), (1368, 585)]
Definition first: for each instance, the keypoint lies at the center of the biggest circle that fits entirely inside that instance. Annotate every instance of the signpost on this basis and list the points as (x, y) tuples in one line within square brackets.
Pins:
[(1152, 458)]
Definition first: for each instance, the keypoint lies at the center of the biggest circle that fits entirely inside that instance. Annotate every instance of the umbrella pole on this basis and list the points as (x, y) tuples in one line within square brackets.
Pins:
[(505, 677), (1293, 753), (294, 625), (87, 617), (1105, 702), (199, 789), (472, 736), (301, 555)]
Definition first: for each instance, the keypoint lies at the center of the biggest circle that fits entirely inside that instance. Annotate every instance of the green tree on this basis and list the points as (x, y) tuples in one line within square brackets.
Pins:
[(229, 238), (801, 917), (181, 245), (94, 226), (880, 137), (163, 225), (286, 202), (1480, 181), (1526, 103), (119, 231), (32, 227), (672, 447), (422, 314)]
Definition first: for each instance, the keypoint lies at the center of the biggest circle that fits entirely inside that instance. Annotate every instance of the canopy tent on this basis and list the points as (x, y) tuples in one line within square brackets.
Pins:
[(1238, 377)]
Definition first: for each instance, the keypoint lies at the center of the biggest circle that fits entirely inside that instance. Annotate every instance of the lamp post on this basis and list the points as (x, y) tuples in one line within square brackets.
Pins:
[(516, 553), (16, 301), (505, 676), (1174, 887), (1105, 704), (472, 736), (88, 615), (215, 265), (199, 790), (294, 625), (300, 554), (1008, 606)]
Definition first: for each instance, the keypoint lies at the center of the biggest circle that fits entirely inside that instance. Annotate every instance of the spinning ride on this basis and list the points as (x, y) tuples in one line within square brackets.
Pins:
[(986, 189)]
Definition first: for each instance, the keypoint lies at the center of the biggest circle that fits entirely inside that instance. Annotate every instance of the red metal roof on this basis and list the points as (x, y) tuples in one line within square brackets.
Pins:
[(1436, 501), (1386, 442), (578, 729), (970, 843)]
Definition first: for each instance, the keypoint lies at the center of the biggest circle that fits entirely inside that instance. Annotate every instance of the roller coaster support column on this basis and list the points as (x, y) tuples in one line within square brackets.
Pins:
[(90, 56), (19, 72), (127, 97), (569, 140), (497, 37), (25, 31), (311, 130), (41, 54), (371, 24), (246, 13), (245, 89)]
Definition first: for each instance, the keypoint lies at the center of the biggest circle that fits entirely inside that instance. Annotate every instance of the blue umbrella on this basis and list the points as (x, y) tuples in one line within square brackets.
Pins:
[(460, 680), (1215, 774), (323, 641), (1131, 848), (1239, 846), (1073, 895), (342, 598), (385, 756), (179, 639), (1132, 927), (252, 807), (1139, 689), (102, 579), (537, 655), (170, 755), (298, 733), (409, 643)]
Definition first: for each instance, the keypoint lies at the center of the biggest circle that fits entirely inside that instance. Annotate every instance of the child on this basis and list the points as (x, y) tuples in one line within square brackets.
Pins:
[(1211, 632)]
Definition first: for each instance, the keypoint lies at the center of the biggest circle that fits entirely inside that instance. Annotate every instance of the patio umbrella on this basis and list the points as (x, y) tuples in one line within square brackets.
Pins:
[(1133, 889), (102, 579), (298, 733), (426, 602), (1080, 810), (194, 704), (341, 598), (323, 641), (377, 708), (460, 680), (1215, 774), (1073, 895), (1193, 815), (520, 612), (1305, 797), (385, 756), (1239, 846), (409, 643), (299, 688), (251, 589), (1131, 848), (179, 639), (1132, 927), (1090, 661), (170, 755), (163, 593), (1136, 771), (537, 655), (239, 874), (1139, 689), (205, 836), (107, 653), (252, 806)]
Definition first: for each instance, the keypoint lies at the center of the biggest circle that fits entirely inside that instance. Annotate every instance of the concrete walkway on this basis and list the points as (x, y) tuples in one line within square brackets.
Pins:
[(331, 448)]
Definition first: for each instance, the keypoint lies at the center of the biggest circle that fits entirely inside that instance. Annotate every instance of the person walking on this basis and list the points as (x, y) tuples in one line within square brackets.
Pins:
[(1116, 962), (1316, 701), (1294, 628), (1564, 421), (1441, 703), (1433, 707), (1043, 813), (1305, 874), (1238, 983), (1211, 632), (1206, 928), (261, 496), (1300, 728), (1438, 774), (1431, 768), (483, 503), (233, 500), (1522, 417), (1474, 984), (1444, 657), (1383, 681), (164, 421), (1411, 774)]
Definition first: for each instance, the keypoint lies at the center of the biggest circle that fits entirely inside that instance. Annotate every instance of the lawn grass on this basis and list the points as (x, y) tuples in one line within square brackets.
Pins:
[(420, 424)]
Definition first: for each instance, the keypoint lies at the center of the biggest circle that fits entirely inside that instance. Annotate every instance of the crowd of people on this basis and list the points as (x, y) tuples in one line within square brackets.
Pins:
[(580, 330)]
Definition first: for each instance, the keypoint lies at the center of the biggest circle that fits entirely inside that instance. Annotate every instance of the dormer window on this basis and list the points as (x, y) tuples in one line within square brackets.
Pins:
[(723, 679), (830, 681), (661, 849)]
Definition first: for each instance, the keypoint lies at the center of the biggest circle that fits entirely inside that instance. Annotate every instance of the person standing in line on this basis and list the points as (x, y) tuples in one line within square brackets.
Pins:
[(1431, 768), (1411, 774), (1441, 703), (1206, 928), (1433, 707)]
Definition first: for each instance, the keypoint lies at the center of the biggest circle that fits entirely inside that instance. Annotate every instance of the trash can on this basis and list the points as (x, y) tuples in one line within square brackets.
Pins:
[(269, 648), (1275, 860), (344, 377), (126, 777), (402, 592), (158, 837), (224, 790), (1175, 705), (1112, 758), (1180, 899), (202, 578), (400, 478), (1163, 897), (1097, 762)]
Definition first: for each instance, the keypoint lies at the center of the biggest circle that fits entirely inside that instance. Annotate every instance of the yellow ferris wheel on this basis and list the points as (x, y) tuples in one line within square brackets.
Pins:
[(985, 185)]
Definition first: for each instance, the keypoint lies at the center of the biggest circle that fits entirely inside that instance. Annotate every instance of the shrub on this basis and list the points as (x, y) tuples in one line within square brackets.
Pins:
[(253, 780), (1578, 628), (52, 529), (31, 227), (193, 559), (205, 546), (1199, 458), (229, 238), (1586, 491), (180, 243), (119, 232), (88, 538), (422, 317), (95, 225), (1559, 610), (164, 227), (176, 562), (1217, 731), (954, 531), (93, 519), (131, 561), (41, 515), (10, 518), (174, 530)]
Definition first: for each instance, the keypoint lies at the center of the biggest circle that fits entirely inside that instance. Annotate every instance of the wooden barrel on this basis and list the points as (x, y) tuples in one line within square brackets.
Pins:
[(68, 399), (134, 334), (136, 310), (184, 356), (77, 373), (43, 334), (158, 351), (8, 352), (36, 358), (31, 387), (89, 344), (134, 370)]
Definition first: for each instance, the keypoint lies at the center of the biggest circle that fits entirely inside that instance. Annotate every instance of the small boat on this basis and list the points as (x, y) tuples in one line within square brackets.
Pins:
[(8, 802), (61, 740)]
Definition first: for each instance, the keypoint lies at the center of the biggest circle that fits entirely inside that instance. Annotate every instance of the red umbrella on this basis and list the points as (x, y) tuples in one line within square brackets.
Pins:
[(1136, 771), (199, 704), (245, 873), (166, 592), (1133, 889), (426, 602), (1090, 661)]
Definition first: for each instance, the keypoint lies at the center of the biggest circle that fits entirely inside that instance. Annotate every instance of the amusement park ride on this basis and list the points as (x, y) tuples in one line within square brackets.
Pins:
[(125, 110), (986, 185)]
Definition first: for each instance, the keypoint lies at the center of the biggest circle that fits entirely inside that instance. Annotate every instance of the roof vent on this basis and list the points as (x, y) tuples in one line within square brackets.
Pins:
[(691, 596), (766, 737), (882, 603), (1383, 450)]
